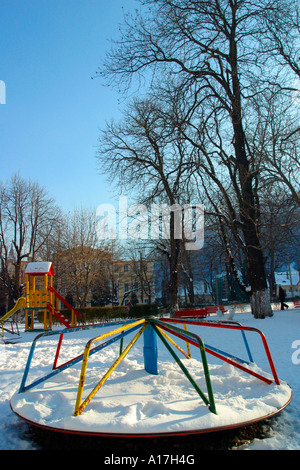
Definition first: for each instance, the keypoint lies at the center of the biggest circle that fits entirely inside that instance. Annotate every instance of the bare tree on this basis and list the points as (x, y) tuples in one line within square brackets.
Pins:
[(143, 266), (274, 138), (81, 264), (280, 230), (142, 154), (27, 218), (213, 48), (281, 40)]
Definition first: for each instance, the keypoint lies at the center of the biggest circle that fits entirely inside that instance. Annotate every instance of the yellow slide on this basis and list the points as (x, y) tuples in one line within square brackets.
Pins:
[(21, 303)]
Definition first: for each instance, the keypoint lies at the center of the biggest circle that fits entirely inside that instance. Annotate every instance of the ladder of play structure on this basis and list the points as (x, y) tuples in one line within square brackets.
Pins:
[(60, 317), (58, 314)]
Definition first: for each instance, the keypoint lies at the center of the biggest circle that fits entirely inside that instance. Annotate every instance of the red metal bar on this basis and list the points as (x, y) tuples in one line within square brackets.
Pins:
[(240, 328), (74, 358), (223, 358), (57, 351)]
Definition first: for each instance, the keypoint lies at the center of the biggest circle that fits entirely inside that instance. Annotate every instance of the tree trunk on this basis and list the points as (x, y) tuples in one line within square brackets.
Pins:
[(174, 259), (248, 203), (260, 304), (173, 282), (260, 297)]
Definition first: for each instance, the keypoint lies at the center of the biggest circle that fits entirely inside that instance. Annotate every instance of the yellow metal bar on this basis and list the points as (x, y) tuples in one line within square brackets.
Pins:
[(113, 332), (173, 342), (187, 344), (86, 355), (78, 407)]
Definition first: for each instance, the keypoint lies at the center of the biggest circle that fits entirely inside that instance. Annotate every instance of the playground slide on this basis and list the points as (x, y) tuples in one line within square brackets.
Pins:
[(21, 303)]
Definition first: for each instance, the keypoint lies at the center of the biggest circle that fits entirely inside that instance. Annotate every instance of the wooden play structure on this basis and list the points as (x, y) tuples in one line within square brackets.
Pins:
[(40, 295)]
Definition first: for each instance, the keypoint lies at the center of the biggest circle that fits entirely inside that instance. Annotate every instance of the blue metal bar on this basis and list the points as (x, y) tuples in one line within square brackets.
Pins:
[(216, 324), (247, 346), (80, 328), (225, 353), (221, 351), (27, 367), (68, 364)]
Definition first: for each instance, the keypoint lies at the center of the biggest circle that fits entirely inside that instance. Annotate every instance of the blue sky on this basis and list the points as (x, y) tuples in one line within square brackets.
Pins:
[(49, 50)]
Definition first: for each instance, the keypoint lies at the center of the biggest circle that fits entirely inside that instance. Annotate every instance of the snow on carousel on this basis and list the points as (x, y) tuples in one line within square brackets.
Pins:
[(164, 386)]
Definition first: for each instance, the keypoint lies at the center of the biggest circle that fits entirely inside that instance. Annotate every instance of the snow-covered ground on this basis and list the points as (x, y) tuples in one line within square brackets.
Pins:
[(134, 401)]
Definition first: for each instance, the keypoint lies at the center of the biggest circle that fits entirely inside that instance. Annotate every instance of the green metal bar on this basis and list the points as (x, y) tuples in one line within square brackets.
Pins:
[(121, 345), (210, 402), (203, 357)]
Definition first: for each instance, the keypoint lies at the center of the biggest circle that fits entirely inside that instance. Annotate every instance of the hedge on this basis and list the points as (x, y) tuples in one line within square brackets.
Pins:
[(90, 315)]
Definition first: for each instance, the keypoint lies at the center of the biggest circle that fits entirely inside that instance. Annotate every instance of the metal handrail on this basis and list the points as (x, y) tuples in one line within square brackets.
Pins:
[(227, 325), (80, 406)]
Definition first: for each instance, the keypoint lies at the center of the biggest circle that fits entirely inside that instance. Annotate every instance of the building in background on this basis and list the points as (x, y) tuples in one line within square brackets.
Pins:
[(289, 280), (133, 282)]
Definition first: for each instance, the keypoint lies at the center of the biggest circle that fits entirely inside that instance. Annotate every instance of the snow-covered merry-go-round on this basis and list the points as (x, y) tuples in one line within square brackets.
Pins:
[(162, 387)]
